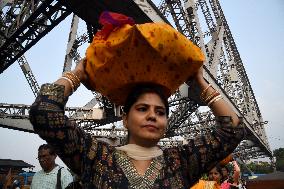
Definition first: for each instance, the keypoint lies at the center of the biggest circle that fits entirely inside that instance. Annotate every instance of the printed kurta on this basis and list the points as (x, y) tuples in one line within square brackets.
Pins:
[(101, 166)]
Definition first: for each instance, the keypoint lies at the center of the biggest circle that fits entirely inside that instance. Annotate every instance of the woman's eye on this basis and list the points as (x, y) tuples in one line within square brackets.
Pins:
[(142, 109), (161, 112)]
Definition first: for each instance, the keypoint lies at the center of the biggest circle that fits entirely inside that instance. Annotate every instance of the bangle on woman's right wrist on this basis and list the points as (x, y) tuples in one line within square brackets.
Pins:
[(70, 82), (73, 79)]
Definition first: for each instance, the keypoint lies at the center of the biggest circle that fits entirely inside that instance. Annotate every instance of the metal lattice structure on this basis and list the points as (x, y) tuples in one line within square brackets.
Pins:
[(23, 23), (224, 65)]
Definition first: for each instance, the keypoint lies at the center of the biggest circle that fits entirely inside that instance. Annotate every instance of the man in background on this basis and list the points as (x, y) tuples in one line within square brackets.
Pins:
[(51, 176)]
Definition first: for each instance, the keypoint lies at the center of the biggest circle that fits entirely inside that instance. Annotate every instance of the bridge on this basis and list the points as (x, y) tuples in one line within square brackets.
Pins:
[(24, 23)]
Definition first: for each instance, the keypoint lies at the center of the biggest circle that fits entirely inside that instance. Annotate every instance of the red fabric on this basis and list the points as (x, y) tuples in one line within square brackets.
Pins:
[(225, 186), (110, 21)]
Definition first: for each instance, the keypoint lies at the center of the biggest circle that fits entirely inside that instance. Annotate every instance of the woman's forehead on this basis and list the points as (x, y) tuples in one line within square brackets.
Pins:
[(150, 99), (213, 170)]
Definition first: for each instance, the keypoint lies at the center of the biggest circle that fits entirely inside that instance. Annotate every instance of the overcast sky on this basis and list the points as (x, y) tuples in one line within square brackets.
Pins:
[(258, 30)]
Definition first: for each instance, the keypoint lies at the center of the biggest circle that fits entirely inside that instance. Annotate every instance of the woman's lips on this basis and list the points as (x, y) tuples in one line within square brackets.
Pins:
[(150, 127)]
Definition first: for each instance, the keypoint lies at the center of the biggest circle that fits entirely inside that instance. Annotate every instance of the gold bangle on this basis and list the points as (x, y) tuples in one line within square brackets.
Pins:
[(204, 91), (216, 93), (217, 98), (75, 80), (70, 78), (211, 96), (74, 76), (70, 82)]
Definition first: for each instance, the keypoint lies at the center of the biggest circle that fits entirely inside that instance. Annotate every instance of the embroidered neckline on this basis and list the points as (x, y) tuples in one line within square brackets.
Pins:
[(137, 181)]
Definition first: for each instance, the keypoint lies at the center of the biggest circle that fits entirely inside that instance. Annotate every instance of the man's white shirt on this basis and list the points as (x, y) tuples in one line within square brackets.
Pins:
[(42, 180)]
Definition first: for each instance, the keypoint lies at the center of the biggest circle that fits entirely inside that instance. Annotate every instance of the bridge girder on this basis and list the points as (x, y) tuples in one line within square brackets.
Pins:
[(223, 66), (23, 24)]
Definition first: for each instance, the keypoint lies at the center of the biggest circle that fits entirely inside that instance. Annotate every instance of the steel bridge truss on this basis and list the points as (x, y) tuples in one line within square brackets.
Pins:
[(202, 21), (224, 65), (23, 23)]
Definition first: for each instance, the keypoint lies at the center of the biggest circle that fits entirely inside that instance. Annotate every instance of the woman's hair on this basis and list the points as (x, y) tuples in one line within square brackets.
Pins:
[(219, 169), (226, 167), (141, 89)]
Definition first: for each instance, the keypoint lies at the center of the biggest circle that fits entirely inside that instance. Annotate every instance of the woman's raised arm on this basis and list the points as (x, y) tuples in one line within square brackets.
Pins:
[(47, 116), (211, 97)]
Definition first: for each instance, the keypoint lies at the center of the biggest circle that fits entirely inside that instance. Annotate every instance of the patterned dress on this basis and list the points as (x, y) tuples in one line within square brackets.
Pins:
[(100, 165)]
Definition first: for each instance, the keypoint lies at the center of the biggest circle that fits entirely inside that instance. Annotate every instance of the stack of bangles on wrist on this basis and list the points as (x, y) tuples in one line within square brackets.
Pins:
[(72, 79), (210, 98)]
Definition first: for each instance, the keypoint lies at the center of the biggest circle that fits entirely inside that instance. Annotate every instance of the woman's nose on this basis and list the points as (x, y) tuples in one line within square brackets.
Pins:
[(151, 114)]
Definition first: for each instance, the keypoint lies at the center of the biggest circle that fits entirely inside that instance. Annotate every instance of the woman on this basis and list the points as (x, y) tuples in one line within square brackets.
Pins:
[(141, 164), (234, 181), (215, 174)]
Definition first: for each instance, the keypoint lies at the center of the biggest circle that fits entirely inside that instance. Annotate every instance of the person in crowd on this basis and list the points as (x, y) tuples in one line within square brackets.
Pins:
[(215, 174), (234, 180), (141, 163), (16, 184), (51, 176), (225, 172)]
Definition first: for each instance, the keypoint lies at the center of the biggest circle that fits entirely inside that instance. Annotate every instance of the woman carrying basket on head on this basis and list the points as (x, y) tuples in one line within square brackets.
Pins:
[(139, 67)]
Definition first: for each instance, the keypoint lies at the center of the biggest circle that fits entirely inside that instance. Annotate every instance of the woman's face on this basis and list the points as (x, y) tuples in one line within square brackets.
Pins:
[(225, 172), (146, 121), (214, 175)]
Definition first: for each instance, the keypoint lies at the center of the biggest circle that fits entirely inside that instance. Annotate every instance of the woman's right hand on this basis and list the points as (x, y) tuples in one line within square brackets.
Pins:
[(81, 72)]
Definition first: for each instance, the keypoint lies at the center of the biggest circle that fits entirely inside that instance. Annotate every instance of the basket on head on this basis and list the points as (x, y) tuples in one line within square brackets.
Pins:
[(121, 56)]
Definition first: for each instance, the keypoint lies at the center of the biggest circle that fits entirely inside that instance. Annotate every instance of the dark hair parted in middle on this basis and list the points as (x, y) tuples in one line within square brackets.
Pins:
[(141, 89)]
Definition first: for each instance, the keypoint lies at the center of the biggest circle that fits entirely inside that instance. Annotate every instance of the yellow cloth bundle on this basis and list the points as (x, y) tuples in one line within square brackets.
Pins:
[(142, 53)]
